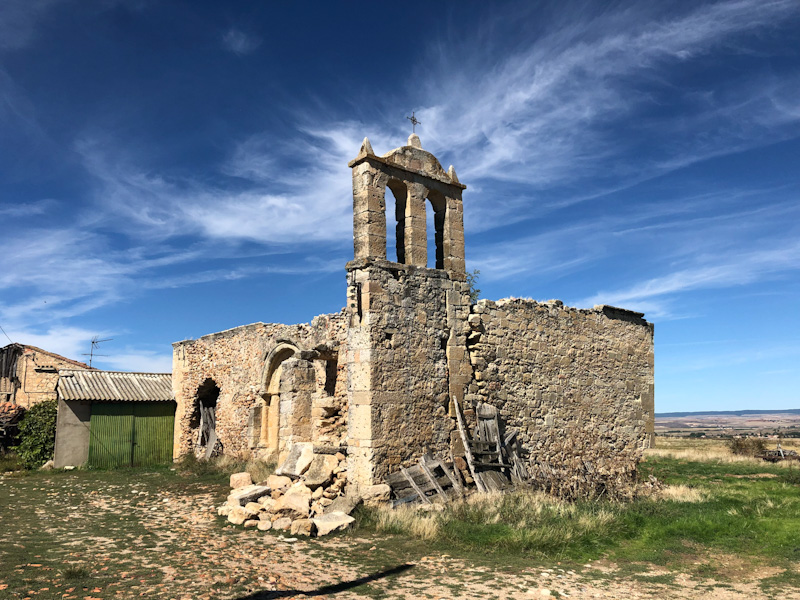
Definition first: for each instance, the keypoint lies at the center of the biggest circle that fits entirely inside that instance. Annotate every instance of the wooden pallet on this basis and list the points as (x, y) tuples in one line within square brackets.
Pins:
[(430, 479), (493, 457)]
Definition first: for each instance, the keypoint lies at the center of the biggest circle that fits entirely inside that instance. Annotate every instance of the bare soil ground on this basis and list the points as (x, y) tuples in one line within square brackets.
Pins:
[(88, 536)]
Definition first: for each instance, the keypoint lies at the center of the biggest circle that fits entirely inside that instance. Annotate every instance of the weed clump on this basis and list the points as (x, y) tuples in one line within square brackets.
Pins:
[(746, 446)]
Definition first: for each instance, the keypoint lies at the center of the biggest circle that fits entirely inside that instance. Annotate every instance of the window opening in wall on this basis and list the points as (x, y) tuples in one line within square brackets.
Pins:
[(331, 370), (395, 198), (434, 228)]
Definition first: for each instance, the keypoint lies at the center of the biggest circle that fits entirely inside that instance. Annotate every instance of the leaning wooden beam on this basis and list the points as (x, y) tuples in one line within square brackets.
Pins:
[(467, 452), (414, 486), (432, 479), (452, 477)]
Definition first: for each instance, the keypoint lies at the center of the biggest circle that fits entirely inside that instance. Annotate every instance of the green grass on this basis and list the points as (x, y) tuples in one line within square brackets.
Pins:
[(742, 512)]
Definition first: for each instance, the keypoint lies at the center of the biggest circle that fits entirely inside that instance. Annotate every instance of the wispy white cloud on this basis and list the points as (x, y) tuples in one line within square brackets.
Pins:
[(733, 269), (19, 20), (26, 209), (136, 360), (309, 202), (71, 342), (240, 43)]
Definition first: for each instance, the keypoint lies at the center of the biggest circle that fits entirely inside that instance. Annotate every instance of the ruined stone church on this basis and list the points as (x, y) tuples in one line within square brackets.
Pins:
[(379, 380)]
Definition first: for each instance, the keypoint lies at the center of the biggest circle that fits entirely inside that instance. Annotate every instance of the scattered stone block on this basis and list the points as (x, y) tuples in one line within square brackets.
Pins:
[(278, 482), (343, 504), (320, 471), (253, 508), (376, 494), (282, 523), (238, 515), (303, 527), (249, 493), (334, 521), (251, 523), (295, 506), (299, 459), (264, 525), (240, 480)]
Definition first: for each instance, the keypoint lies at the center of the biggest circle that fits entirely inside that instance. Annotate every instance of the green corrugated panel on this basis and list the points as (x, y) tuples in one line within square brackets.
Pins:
[(153, 433), (111, 434)]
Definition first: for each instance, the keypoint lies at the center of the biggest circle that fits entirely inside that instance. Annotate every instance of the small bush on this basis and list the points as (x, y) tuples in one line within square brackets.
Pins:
[(37, 434), (749, 446)]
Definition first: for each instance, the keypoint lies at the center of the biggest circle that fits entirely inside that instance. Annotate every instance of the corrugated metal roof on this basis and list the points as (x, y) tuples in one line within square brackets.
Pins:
[(114, 385)]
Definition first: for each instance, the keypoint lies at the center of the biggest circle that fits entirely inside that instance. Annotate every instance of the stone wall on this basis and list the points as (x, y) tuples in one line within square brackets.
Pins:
[(236, 360), (29, 374), (406, 335), (576, 384)]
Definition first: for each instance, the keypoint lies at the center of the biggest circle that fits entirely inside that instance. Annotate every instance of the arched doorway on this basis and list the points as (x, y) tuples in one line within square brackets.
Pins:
[(269, 424), (204, 419)]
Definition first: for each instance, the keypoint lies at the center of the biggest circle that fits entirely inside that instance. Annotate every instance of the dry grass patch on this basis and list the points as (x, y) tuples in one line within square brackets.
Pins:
[(681, 493), (707, 450)]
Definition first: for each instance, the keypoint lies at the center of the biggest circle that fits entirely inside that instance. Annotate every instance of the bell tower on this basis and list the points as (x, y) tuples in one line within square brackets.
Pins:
[(406, 337), (414, 176)]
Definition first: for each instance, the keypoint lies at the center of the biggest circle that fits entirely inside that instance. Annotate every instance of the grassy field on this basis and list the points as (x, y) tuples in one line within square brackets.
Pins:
[(719, 514), (135, 533)]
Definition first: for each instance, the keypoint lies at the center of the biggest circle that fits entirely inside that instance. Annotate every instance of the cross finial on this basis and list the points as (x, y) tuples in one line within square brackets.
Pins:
[(414, 122)]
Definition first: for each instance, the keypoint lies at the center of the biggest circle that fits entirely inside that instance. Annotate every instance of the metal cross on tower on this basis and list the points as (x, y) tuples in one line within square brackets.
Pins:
[(414, 122)]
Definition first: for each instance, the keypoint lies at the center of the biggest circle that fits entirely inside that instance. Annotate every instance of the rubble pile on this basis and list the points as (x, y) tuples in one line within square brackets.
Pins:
[(305, 496)]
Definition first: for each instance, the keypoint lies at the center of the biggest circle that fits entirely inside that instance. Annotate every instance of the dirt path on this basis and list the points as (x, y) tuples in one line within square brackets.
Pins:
[(82, 540)]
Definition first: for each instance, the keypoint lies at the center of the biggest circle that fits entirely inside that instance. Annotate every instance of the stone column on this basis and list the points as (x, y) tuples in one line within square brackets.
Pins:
[(415, 231), (369, 212), (454, 238)]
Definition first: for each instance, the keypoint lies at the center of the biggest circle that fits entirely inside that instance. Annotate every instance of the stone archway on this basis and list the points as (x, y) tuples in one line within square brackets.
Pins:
[(269, 424)]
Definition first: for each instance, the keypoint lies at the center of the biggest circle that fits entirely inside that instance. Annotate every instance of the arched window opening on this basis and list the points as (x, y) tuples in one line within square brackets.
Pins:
[(395, 229), (435, 229)]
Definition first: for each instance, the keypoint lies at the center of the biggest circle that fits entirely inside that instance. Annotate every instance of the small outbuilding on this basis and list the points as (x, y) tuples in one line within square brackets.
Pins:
[(114, 419)]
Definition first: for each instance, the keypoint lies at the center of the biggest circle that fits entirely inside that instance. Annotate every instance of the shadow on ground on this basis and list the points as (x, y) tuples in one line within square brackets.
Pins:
[(329, 589)]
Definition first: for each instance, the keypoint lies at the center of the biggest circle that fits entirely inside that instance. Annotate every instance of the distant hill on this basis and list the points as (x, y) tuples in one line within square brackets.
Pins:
[(737, 413)]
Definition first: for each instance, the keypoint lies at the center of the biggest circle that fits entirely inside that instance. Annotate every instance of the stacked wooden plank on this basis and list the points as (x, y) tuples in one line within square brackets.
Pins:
[(430, 479)]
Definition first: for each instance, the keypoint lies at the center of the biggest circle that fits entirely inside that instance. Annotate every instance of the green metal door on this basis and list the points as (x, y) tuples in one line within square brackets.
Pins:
[(124, 434), (153, 425), (110, 434)]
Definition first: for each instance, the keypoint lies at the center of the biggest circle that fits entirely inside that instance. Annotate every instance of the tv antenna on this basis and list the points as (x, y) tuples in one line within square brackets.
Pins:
[(95, 345)]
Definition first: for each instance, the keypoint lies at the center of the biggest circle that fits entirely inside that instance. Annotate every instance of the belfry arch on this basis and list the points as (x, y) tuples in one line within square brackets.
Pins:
[(415, 175)]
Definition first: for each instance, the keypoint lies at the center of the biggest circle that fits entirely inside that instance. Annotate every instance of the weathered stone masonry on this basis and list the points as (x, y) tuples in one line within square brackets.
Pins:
[(277, 385), (576, 384), (377, 380)]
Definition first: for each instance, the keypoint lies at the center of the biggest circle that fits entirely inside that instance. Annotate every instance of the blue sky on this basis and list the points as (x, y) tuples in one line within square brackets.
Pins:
[(171, 169)]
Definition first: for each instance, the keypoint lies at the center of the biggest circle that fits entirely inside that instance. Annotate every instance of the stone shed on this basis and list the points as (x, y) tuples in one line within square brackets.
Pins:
[(377, 381)]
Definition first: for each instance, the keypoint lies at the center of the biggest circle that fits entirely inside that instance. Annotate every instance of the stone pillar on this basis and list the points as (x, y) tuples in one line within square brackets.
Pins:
[(298, 386), (369, 212), (454, 238), (359, 380), (415, 230)]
